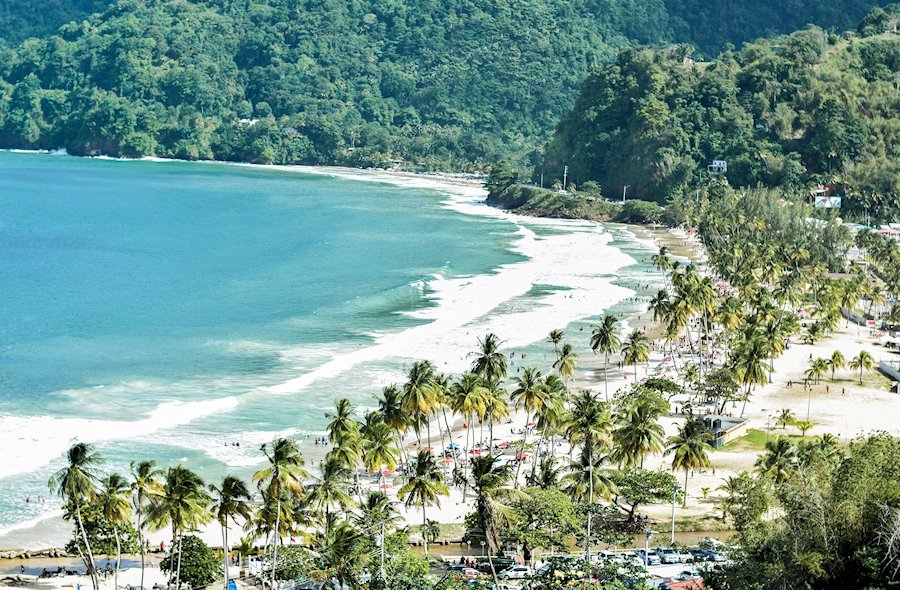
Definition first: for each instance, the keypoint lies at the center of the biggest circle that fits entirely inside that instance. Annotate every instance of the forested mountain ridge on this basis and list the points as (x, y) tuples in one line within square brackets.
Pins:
[(793, 111), (447, 84)]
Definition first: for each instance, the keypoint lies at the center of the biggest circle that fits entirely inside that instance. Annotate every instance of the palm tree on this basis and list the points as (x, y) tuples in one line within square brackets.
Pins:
[(748, 361), (488, 480), (376, 511), (390, 405), (284, 475), (182, 505), (546, 476), (114, 505), (803, 426), (343, 425), (530, 393), (491, 365), (331, 489), (817, 369), (837, 361), (422, 485), (779, 461), (661, 260), (379, 446), (690, 448), (565, 362), (605, 338), (419, 400), (343, 556), (145, 486), (556, 337), (638, 434), (431, 530), (786, 418), (636, 350), (470, 399), (862, 361), (231, 501), (76, 484)]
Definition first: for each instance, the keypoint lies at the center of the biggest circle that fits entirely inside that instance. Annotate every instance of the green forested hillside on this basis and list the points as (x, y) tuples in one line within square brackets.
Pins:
[(439, 81), (21, 19), (447, 83), (791, 111)]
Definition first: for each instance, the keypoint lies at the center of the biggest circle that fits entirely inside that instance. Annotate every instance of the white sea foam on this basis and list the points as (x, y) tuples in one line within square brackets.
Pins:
[(572, 260), (31, 442)]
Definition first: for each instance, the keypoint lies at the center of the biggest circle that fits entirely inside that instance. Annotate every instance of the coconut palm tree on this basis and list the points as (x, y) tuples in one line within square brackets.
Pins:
[(377, 510), (115, 508), (284, 475), (331, 489), (636, 350), (379, 446), (470, 399), (637, 435), (690, 448), (837, 361), (556, 338), (422, 485), (749, 361), (491, 365), (546, 476), (817, 369), (661, 260), (605, 339), (803, 426), (230, 501), (145, 486), (488, 481), (779, 461), (566, 362), (76, 484), (862, 361), (390, 405), (343, 424), (420, 400), (531, 394), (587, 479), (183, 505), (786, 418), (729, 314), (553, 415)]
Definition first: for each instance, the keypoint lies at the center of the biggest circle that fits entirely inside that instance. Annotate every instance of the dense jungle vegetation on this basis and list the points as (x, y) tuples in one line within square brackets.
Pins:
[(789, 112), (447, 85)]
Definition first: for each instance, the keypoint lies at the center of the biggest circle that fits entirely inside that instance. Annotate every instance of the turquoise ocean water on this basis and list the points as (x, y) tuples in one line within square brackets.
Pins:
[(169, 309)]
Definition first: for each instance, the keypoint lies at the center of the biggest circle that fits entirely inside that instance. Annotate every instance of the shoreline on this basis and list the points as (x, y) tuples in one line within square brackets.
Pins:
[(35, 534)]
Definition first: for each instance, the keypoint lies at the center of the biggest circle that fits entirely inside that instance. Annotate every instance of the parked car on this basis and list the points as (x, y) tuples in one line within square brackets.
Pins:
[(471, 574), (668, 555), (650, 558), (706, 555), (455, 567), (502, 587), (516, 572)]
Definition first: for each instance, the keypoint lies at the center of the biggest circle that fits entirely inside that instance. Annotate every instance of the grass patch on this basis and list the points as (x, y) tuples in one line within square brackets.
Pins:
[(755, 439)]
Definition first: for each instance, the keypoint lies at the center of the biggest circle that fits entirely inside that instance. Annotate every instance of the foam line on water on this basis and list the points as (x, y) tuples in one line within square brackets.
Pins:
[(34, 441), (573, 260)]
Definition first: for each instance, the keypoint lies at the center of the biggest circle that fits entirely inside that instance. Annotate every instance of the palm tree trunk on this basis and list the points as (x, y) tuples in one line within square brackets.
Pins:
[(87, 545), (178, 575), (536, 454), (606, 376), (587, 540), (225, 553), (684, 502), (118, 556), (521, 456), (424, 536), (275, 541), (141, 539)]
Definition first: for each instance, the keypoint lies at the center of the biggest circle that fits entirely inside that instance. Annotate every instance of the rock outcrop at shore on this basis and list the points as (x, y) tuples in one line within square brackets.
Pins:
[(28, 554)]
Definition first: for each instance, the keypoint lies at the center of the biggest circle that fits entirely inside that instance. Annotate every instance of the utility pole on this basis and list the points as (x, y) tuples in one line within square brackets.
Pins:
[(624, 190), (648, 534), (565, 176)]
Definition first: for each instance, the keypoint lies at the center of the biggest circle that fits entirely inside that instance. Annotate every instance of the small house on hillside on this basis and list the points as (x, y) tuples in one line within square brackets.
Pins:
[(718, 167)]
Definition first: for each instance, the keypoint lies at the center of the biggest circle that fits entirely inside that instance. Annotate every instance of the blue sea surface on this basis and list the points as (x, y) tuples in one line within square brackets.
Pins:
[(157, 309)]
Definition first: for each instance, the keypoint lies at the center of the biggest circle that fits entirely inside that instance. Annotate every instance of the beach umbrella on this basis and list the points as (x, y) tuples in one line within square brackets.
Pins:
[(385, 486), (453, 446), (503, 445), (530, 424), (448, 459), (426, 448)]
